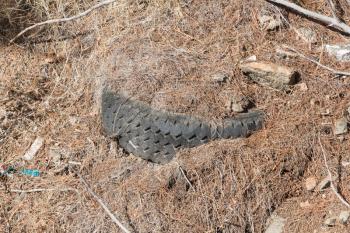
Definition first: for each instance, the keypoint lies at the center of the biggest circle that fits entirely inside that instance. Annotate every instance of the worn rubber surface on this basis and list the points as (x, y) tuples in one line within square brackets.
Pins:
[(156, 135)]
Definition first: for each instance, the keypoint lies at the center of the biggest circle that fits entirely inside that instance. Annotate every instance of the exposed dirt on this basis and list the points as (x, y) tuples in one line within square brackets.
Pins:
[(164, 53)]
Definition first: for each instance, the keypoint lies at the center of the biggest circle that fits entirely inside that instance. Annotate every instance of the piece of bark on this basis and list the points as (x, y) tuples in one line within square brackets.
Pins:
[(268, 74)]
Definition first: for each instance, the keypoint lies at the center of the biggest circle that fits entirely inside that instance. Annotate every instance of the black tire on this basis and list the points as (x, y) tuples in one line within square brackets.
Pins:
[(157, 135)]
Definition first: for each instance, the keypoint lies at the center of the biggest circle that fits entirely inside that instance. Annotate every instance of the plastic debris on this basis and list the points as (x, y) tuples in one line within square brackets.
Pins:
[(34, 148), (31, 172), (4, 170), (9, 170)]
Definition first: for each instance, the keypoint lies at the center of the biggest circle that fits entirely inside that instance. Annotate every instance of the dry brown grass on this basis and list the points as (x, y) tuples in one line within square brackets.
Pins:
[(15, 15), (50, 88)]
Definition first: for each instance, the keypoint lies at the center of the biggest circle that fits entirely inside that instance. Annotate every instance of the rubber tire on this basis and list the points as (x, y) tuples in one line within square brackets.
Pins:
[(156, 135)]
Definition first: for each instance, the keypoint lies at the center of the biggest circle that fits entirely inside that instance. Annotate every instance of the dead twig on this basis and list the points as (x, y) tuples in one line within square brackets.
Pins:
[(331, 22), (105, 208), (40, 190), (333, 9), (187, 180), (334, 189), (336, 72), (61, 20)]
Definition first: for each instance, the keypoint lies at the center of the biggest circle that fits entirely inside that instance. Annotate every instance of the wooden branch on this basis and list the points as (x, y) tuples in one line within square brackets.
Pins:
[(61, 20), (339, 196), (336, 72), (187, 180), (41, 190), (38, 190), (333, 9), (102, 204), (332, 23)]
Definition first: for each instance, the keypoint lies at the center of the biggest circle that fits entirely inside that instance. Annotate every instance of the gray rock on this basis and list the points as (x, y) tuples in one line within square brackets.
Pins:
[(220, 77), (284, 54), (269, 20), (276, 224), (341, 52), (238, 104), (250, 59), (55, 155), (330, 222), (310, 183), (341, 126), (237, 108), (307, 34), (276, 76), (344, 216)]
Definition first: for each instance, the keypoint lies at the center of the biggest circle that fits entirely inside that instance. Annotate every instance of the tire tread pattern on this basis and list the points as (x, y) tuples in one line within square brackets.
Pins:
[(156, 135)]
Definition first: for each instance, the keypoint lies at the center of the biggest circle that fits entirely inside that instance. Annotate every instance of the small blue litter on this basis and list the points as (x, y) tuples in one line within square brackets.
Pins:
[(31, 172)]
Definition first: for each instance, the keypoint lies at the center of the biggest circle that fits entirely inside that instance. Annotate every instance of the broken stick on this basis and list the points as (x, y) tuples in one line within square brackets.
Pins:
[(331, 22), (102, 204), (52, 21)]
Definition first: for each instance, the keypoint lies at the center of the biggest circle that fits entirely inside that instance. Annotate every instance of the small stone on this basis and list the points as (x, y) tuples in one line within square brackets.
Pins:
[(330, 222), (344, 216), (302, 86), (55, 155), (220, 77), (341, 126), (304, 204), (281, 53), (238, 104), (310, 183), (273, 75), (250, 59), (307, 34), (237, 108), (276, 224), (73, 120), (269, 20), (341, 52)]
